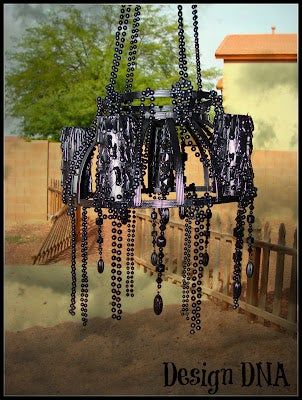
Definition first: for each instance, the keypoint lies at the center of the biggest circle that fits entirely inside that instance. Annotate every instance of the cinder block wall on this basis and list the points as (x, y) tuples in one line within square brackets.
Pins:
[(26, 180)]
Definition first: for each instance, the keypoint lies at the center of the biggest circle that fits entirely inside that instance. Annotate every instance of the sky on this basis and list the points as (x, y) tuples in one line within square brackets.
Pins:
[(215, 22)]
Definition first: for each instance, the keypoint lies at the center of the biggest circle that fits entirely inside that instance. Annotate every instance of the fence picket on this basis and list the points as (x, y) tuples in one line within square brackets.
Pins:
[(179, 250), (264, 270), (279, 273), (292, 300), (217, 256)]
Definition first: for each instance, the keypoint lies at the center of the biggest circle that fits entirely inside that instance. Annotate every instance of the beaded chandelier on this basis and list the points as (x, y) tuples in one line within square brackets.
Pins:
[(141, 150)]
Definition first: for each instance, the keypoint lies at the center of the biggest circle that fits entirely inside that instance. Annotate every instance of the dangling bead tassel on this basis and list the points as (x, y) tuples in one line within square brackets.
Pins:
[(202, 262), (100, 222), (119, 269), (194, 285), (128, 255), (186, 267), (84, 282), (250, 240), (73, 261), (207, 232), (132, 253), (237, 255), (116, 272), (160, 267)]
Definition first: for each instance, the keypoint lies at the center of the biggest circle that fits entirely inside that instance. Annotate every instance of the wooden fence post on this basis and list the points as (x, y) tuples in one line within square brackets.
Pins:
[(252, 283), (228, 259), (292, 298), (264, 270), (279, 273), (78, 221), (180, 235), (216, 264)]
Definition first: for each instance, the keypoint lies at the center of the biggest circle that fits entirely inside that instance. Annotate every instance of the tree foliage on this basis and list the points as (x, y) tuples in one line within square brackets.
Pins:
[(60, 66)]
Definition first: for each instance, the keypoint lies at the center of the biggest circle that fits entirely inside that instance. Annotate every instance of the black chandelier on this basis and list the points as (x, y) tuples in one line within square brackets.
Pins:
[(141, 149)]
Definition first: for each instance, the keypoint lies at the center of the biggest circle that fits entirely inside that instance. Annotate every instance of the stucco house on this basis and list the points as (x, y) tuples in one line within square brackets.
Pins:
[(260, 78)]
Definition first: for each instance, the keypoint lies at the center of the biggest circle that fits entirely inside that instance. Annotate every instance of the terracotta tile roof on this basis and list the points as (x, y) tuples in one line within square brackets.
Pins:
[(259, 46)]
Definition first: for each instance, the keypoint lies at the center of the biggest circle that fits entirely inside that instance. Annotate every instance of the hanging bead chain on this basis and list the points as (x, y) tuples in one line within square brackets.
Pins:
[(84, 281), (116, 60), (197, 53), (112, 96), (80, 146), (202, 261), (73, 261), (154, 257), (196, 288), (182, 49), (250, 220), (208, 199), (132, 50), (186, 268), (237, 255), (160, 267), (128, 256), (132, 253), (100, 221), (119, 268), (116, 272)]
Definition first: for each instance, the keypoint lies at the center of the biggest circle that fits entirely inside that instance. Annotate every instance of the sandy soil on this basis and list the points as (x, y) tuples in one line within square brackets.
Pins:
[(126, 357), (22, 242)]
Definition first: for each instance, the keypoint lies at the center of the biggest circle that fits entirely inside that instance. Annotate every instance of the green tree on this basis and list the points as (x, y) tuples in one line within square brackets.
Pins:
[(60, 66)]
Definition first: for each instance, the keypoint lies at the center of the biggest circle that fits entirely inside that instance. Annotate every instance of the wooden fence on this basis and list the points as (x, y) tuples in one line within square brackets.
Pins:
[(59, 236), (54, 203), (264, 296)]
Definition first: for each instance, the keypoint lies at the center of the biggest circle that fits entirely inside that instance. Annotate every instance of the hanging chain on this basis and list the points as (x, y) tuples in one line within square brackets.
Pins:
[(132, 252), (100, 221), (202, 261), (186, 268), (84, 281), (182, 48), (128, 254), (112, 97), (237, 255), (132, 50), (73, 261), (197, 53)]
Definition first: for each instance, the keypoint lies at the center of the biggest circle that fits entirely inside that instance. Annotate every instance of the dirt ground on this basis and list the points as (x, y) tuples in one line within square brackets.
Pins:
[(127, 357)]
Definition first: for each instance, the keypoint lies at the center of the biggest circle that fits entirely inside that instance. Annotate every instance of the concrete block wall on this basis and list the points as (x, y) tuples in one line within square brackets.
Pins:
[(29, 167), (25, 181)]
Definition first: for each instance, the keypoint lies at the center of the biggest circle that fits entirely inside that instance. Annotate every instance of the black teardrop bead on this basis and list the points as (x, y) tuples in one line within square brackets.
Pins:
[(161, 241), (182, 213), (249, 269), (158, 304), (236, 290), (205, 259), (101, 266), (154, 258)]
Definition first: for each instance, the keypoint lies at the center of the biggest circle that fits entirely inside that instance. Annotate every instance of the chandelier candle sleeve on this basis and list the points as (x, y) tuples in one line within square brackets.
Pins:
[(141, 163)]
